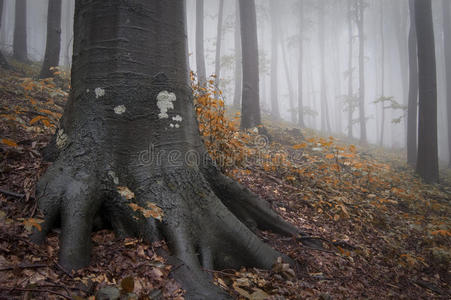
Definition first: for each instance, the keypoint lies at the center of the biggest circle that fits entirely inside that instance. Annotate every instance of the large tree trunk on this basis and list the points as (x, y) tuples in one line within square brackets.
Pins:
[(325, 121), (238, 61), (53, 46), (275, 113), (129, 138), (218, 46), (20, 31), (427, 160), (360, 13), (250, 108), (3, 62), (350, 70), (301, 66), (447, 40), (412, 112), (200, 56)]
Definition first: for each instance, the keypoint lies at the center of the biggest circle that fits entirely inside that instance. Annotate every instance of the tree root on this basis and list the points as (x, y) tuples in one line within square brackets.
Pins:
[(202, 230)]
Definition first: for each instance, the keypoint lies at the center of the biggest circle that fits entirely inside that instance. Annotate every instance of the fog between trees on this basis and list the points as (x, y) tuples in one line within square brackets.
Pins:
[(325, 78)]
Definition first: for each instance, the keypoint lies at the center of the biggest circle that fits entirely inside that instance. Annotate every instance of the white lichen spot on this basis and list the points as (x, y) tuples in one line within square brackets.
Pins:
[(164, 103), (120, 109), (99, 92), (113, 176), (125, 192), (61, 139), (177, 118), (177, 126), (171, 125), (87, 90)]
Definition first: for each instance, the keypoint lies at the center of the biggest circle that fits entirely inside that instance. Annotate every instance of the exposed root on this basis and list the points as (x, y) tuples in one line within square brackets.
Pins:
[(202, 230)]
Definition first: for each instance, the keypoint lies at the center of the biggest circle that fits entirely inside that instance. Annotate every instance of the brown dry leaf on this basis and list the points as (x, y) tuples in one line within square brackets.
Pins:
[(128, 284), (125, 192)]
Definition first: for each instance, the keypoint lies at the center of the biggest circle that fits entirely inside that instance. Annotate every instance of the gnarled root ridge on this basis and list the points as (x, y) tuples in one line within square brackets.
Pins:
[(207, 217)]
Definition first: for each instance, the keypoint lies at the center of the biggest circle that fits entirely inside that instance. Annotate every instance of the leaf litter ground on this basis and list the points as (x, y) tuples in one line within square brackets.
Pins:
[(385, 233)]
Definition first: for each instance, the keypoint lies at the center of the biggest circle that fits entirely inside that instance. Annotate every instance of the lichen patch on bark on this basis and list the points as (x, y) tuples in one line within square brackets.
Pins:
[(177, 118), (120, 109), (165, 101), (99, 92)]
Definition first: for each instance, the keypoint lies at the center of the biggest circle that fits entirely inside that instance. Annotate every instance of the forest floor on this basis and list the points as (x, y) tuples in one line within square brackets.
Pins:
[(385, 233)]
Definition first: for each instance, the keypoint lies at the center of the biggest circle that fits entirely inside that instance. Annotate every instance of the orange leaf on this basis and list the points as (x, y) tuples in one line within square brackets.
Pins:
[(36, 119), (9, 143)]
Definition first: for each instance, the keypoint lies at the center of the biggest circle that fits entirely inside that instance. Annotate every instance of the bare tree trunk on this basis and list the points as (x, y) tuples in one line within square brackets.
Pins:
[(200, 56), (412, 112), (360, 13), (274, 60), (3, 62), (427, 160), (381, 142), (447, 40), (20, 31), (301, 66), (53, 46), (287, 74), (350, 70), (238, 60), (218, 47), (250, 107), (325, 121)]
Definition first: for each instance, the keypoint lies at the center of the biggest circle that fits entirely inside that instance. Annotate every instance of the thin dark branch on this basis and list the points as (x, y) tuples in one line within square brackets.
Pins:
[(9, 193)]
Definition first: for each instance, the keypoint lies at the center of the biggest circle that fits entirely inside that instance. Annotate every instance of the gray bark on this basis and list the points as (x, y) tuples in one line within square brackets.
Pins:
[(238, 60), (218, 46), (200, 56), (130, 86), (20, 31), (360, 13), (250, 107), (325, 120), (3, 62), (275, 113), (350, 69), (447, 40), (427, 160), (382, 71), (53, 45), (301, 66), (290, 86), (412, 112)]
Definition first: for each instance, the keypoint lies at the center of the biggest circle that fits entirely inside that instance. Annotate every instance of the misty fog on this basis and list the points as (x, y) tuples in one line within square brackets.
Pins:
[(386, 23)]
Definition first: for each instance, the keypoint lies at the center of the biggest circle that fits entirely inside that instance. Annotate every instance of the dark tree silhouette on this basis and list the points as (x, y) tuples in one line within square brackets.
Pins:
[(427, 160), (200, 56), (447, 39), (20, 31), (3, 62), (250, 107), (412, 112), (53, 45), (129, 136)]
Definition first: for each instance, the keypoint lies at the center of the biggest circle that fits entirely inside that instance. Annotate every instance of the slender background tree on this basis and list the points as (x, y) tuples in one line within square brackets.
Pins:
[(53, 45), (427, 159)]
